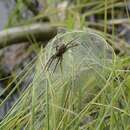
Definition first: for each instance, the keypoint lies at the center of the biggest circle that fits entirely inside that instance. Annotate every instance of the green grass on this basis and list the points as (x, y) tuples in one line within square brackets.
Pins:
[(91, 90)]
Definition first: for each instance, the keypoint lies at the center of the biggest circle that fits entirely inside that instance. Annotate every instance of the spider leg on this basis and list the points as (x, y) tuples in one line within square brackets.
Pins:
[(61, 59), (56, 64), (49, 62), (71, 41), (71, 46), (57, 47)]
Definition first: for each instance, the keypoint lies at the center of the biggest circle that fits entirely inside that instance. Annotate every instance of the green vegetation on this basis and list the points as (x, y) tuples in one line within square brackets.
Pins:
[(91, 90)]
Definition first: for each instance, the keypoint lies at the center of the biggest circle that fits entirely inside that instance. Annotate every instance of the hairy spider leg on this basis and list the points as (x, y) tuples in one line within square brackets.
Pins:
[(56, 64), (57, 47), (71, 41), (73, 45), (49, 62), (61, 59)]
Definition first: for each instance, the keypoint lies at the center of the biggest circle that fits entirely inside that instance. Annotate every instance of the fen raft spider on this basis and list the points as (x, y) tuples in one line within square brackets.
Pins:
[(58, 55)]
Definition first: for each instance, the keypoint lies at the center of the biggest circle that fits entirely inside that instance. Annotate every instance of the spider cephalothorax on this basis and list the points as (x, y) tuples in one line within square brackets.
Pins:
[(60, 50)]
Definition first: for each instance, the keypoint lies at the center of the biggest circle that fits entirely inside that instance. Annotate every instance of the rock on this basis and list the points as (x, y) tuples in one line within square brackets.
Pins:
[(13, 56)]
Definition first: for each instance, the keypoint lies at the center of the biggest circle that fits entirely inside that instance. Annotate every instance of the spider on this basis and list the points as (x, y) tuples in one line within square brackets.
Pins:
[(60, 50)]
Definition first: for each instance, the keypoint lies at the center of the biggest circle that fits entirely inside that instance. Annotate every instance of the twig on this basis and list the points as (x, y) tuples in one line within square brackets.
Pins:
[(37, 31)]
